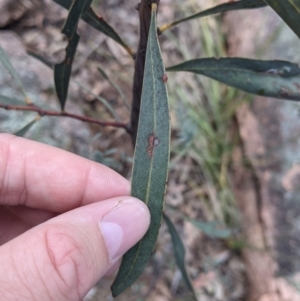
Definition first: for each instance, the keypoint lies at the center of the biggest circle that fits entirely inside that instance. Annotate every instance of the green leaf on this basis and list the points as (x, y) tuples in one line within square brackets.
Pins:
[(26, 128), (151, 159), (81, 86), (237, 5), (91, 18), (179, 253), (279, 79), (212, 229), (62, 71), (41, 59), (289, 11), (6, 63), (8, 101)]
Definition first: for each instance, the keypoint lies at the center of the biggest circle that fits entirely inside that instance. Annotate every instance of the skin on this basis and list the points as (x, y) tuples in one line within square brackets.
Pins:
[(53, 209)]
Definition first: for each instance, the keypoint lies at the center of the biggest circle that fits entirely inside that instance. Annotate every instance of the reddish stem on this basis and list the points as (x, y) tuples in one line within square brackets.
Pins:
[(43, 112)]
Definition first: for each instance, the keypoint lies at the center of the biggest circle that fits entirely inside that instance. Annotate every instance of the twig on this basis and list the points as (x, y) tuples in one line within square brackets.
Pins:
[(42, 112)]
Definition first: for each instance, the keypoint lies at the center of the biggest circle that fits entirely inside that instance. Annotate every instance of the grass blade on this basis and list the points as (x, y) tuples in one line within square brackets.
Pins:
[(6, 63), (113, 84), (179, 253), (101, 99), (237, 5), (278, 79), (151, 159), (62, 71), (289, 11), (91, 18)]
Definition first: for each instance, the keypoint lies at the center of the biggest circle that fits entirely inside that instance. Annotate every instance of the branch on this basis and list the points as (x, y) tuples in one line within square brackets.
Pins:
[(42, 112)]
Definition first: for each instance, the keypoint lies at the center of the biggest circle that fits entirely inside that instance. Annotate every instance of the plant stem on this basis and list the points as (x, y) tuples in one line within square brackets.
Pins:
[(42, 112)]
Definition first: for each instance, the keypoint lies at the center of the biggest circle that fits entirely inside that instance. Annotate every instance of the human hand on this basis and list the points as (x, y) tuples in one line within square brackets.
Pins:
[(64, 221)]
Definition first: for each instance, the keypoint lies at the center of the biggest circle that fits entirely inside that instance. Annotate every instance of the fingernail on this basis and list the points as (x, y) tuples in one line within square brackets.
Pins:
[(124, 226)]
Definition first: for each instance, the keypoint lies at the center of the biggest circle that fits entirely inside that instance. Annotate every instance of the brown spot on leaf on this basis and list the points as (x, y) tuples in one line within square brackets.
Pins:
[(152, 142), (165, 78)]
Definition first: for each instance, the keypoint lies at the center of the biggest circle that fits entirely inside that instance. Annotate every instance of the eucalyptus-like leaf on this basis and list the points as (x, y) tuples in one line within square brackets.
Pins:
[(289, 11), (41, 58), (212, 229), (151, 159), (229, 6), (179, 253), (81, 86), (91, 18), (62, 71), (7, 64), (8, 101), (21, 132), (278, 79)]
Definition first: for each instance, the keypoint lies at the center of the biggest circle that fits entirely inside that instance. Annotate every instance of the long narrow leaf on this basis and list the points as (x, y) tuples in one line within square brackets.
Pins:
[(8, 101), (81, 86), (151, 159), (41, 59), (26, 128), (6, 63), (237, 5), (289, 11), (91, 18), (212, 229), (278, 79), (179, 252), (62, 71)]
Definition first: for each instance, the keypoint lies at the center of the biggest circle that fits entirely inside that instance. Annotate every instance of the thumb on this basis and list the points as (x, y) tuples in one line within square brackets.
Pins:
[(64, 257)]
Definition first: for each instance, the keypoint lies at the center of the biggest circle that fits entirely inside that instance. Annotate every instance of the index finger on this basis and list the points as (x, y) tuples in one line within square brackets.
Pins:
[(45, 177)]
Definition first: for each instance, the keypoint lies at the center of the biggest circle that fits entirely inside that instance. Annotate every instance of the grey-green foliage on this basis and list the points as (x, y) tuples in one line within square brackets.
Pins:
[(279, 79), (151, 159)]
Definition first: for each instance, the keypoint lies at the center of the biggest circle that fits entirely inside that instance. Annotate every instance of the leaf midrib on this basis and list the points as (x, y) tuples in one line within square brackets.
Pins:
[(151, 164)]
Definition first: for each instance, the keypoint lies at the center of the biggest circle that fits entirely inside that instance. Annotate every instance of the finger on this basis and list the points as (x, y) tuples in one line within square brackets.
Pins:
[(15, 220), (44, 177), (10, 225), (31, 216), (64, 257), (113, 269)]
